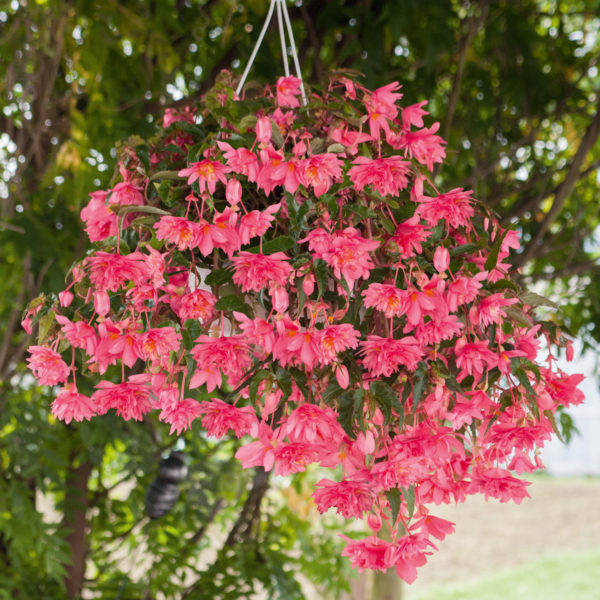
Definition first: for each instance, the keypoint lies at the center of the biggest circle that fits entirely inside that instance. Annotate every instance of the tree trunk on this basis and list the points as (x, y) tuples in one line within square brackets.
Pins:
[(75, 522), (386, 586)]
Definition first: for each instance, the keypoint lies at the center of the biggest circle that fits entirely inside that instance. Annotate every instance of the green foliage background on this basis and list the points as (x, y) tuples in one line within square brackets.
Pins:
[(516, 88)]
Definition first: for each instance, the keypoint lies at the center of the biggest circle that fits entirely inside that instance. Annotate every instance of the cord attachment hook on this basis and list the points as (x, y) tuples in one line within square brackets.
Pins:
[(284, 23)]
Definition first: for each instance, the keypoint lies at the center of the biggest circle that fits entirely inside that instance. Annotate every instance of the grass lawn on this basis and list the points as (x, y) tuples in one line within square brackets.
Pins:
[(569, 576)]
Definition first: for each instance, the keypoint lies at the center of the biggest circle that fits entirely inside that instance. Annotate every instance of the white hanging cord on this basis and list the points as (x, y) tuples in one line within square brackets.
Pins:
[(256, 47), (282, 11), (286, 66), (286, 16)]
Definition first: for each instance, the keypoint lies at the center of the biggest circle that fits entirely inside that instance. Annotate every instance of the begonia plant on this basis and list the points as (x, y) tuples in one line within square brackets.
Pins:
[(292, 276)]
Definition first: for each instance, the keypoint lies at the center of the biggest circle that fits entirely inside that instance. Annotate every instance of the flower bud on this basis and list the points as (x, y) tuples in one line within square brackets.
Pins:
[(263, 130), (65, 298), (441, 259), (101, 303), (308, 284), (342, 376), (233, 191), (374, 522)]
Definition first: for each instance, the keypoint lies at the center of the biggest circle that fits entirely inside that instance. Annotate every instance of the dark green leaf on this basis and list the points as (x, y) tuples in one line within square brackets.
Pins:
[(395, 499), (233, 303)]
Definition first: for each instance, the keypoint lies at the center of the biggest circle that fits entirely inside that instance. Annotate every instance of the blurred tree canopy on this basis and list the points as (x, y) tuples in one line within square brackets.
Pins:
[(516, 88)]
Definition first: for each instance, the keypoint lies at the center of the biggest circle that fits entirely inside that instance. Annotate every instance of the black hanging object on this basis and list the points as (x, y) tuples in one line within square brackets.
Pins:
[(164, 490)]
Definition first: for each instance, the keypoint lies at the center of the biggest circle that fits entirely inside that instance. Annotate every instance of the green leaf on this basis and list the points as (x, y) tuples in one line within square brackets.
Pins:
[(219, 277), (172, 175), (550, 416), (44, 326), (321, 273), (279, 244), (256, 380), (518, 315), (505, 284), (395, 499), (492, 259), (131, 208), (409, 496), (385, 397), (419, 383), (533, 299), (231, 303)]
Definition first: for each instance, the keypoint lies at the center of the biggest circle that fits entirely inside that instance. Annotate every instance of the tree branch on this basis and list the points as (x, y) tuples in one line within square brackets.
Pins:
[(474, 24), (564, 190)]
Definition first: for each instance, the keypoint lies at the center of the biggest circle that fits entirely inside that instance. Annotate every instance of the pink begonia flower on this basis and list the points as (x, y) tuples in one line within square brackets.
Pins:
[(294, 457), (413, 115), (47, 365), (387, 298), (288, 88), (284, 173), (369, 553), (100, 221), (455, 206), (349, 498), (563, 387), (350, 139), (155, 262), (498, 483), (228, 355), (264, 130), (260, 453), (115, 341), (255, 271), (108, 272), (381, 107), (295, 345), (384, 356), (437, 329), (178, 231), (207, 173), (387, 176), (70, 404), (271, 174), (285, 120), (173, 116), (423, 145), (126, 194), (334, 339), (256, 223), (473, 358), (347, 252), (180, 415), (463, 290), (311, 424), (257, 331), (79, 334), (199, 305), (320, 171), (130, 399), (319, 242), (224, 232), (489, 310), (240, 160), (435, 526), (220, 418), (156, 345), (408, 237)]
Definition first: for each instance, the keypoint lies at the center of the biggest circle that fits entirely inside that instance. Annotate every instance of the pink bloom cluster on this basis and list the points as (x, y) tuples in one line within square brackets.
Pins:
[(303, 283)]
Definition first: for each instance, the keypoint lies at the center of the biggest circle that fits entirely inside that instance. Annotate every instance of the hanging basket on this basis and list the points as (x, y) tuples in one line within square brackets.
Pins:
[(292, 276)]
